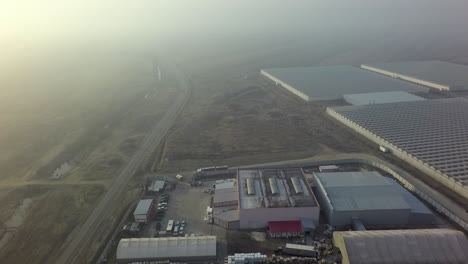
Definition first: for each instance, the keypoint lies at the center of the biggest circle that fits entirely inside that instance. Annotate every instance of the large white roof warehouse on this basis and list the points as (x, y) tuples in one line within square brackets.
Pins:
[(430, 135), (402, 246), (331, 82), (166, 248)]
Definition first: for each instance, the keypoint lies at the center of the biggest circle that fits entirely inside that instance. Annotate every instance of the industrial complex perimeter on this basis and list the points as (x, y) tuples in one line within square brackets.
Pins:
[(330, 211)]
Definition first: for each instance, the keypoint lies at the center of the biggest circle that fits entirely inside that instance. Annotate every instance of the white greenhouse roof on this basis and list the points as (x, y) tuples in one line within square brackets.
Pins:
[(166, 247), (402, 246), (381, 98), (331, 82), (441, 72), (432, 132), (143, 206)]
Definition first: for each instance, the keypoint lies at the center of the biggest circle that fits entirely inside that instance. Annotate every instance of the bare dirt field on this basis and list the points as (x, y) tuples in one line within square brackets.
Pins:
[(95, 124), (54, 211), (257, 122)]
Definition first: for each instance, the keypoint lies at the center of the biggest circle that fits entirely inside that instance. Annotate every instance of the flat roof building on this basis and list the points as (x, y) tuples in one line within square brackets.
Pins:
[(435, 74), (331, 82), (144, 211), (381, 98), (402, 246), (267, 195), (198, 248), (224, 184), (157, 186), (225, 204), (430, 135), (225, 197), (367, 196)]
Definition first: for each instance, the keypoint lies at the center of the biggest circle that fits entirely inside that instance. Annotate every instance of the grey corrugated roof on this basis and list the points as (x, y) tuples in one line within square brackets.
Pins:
[(381, 98), (440, 72), (356, 178), (402, 246), (377, 197), (143, 206), (367, 190), (331, 82), (416, 205), (166, 247), (225, 195)]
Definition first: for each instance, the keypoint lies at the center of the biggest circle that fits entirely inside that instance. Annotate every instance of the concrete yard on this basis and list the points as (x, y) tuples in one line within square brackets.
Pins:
[(189, 204)]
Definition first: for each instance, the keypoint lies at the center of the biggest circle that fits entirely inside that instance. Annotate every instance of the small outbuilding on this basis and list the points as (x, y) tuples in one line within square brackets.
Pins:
[(144, 211), (226, 197), (157, 186), (328, 168)]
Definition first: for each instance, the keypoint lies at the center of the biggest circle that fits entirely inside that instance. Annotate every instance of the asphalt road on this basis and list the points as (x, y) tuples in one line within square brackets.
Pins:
[(82, 235)]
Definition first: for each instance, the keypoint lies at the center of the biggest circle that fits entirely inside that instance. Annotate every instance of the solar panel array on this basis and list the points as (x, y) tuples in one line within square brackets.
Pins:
[(434, 132)]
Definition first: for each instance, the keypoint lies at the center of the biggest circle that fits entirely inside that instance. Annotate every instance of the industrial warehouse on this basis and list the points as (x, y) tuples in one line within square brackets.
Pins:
[(402, 246), (262, 196), (435, 74), (430, 135), (332, 82), (167, 248), (369, 199)]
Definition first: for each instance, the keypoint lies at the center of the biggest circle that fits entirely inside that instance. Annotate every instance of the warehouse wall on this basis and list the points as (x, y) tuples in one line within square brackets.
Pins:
[(325, 203), (285, 85), (407, 78), (259, 217), (371, 217)]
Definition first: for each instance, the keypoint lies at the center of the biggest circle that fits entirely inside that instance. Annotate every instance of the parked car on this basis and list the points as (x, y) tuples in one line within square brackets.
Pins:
[(182, 223), (181, 230), (176, 231)]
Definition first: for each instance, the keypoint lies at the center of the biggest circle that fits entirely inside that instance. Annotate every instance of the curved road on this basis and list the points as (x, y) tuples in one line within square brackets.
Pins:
[(81, 235)]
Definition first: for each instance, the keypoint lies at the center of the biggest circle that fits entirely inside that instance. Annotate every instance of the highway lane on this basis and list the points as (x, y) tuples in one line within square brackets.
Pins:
[(81, 236)]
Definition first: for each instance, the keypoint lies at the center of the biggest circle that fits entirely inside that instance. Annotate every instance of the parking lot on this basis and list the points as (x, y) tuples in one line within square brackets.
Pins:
[(188, 204)]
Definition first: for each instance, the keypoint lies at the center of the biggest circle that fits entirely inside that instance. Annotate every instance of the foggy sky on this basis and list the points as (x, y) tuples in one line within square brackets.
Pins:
[(24, 22)]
